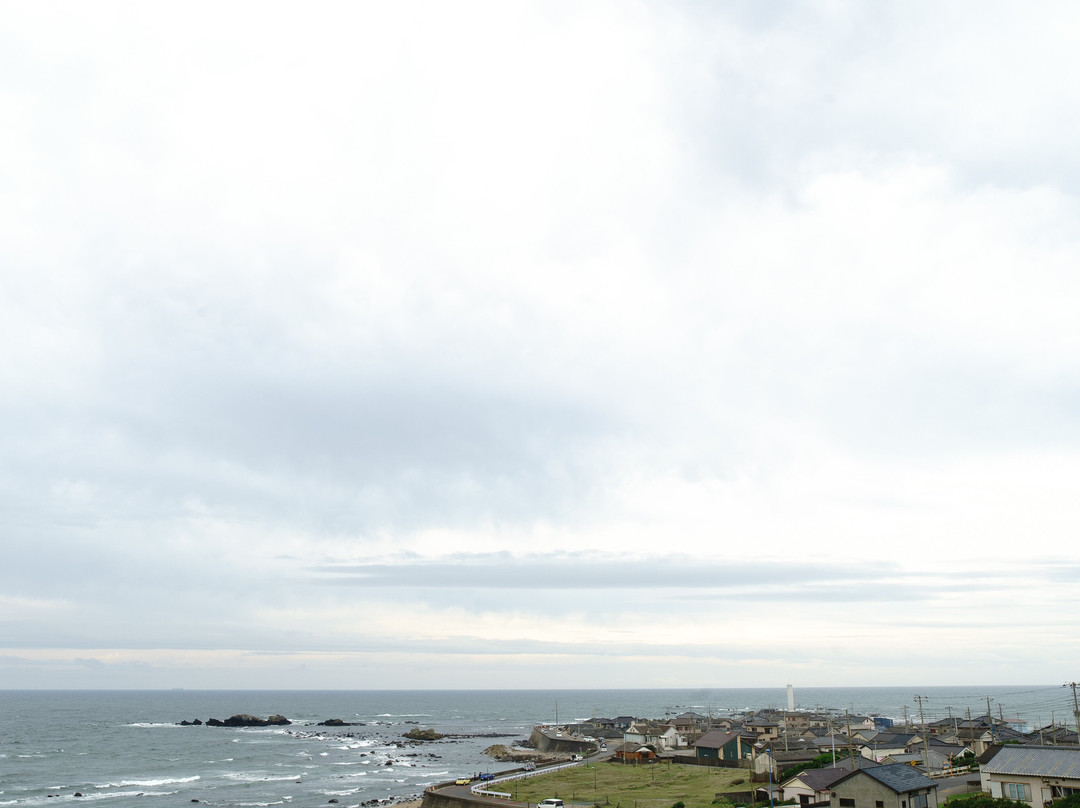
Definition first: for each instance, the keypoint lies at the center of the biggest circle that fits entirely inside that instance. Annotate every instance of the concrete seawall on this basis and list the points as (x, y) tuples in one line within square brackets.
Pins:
[(433, 798), (552, 742), (436, 800)]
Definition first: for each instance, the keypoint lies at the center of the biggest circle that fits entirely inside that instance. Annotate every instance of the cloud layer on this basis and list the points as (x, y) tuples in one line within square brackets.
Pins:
[(446, 345)]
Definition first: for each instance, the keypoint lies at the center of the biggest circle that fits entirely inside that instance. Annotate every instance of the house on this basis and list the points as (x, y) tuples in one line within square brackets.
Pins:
[(812, 786), (942, 755), (858, 722), (800, 720), (689, 721), (1032, 774), (894, 786), (659, 736), (717, 744), (1053, 734), (634, 752), (888, 743), (780, 760), (765, 729), (937, 761)]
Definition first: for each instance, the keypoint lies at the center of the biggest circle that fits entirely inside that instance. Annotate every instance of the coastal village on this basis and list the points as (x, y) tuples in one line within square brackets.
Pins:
[(821, 758)]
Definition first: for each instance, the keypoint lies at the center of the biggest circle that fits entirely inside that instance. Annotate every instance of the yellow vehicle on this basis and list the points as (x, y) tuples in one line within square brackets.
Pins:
[(462, 781)]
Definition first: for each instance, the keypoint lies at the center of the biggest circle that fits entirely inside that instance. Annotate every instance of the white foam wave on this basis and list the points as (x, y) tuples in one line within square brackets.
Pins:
[(402, 715), (150, 724), (259, 777), (87, 797), (165, 781)]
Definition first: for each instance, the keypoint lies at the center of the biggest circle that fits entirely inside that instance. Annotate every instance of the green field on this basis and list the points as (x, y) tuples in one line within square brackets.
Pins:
[(658, 785)]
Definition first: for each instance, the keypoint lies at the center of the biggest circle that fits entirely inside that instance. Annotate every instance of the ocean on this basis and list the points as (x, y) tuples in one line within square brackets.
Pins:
[(126, 748)]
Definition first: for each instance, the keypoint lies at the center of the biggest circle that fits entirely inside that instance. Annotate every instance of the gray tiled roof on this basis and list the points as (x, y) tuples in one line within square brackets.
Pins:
[(715, 739), (821, 779), (1041, 761), (900, 777)]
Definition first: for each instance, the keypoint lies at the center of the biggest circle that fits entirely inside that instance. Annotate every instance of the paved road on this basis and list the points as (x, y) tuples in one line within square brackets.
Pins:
[(947, 786), (469, 791)]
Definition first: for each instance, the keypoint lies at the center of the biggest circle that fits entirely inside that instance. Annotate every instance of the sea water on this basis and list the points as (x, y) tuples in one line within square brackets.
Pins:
[(127, 748)]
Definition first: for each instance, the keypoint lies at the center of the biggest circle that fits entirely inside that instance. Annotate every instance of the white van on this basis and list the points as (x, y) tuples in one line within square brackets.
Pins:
[(550, 803)]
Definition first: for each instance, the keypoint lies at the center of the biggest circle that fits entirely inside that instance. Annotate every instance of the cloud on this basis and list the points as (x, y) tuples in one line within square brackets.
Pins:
[(555, 322)]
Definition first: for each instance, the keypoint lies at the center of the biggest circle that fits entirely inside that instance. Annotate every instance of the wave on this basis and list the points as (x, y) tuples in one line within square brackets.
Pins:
[(403, 715), (258, 777), (165, 781), (150, 724), (87, 797)]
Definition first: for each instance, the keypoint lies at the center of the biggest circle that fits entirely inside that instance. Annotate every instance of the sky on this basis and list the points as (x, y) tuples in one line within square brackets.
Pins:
[(539, 345)]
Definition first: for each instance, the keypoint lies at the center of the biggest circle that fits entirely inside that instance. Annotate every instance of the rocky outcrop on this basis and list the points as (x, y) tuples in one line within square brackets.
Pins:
[(422, 735), (241, 720), (506, 754), (339, 722)]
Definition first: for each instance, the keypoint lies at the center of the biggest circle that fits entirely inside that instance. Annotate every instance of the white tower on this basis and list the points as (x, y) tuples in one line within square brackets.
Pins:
[(790, 698)]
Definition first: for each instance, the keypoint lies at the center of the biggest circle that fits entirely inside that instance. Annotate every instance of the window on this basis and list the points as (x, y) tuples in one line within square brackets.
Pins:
[(879, 804), (918, 801), (1016, 791), (847, 802)]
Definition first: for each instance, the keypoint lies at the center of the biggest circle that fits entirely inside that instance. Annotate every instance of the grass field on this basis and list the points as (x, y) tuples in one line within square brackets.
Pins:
[(658, 785)]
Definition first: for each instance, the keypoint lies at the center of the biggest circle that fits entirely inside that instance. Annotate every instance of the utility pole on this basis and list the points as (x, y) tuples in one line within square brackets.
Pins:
[(832, 736), (850, 751), (768, 751), (1053, 728), (1076, 708), (925, 742), (990, 716)]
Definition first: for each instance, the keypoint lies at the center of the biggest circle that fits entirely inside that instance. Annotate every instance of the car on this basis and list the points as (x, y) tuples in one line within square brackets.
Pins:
[(550, 803), (462, 781), (487, 776)]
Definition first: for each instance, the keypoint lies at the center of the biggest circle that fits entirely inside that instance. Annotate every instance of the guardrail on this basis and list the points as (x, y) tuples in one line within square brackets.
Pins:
[(500, 794)]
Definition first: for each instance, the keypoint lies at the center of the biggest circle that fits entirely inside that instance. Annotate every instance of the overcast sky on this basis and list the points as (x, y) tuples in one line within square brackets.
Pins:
[(562, 344)]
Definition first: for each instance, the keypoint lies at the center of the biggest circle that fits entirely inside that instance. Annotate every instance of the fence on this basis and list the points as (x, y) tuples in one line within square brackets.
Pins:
[(719, 763)]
